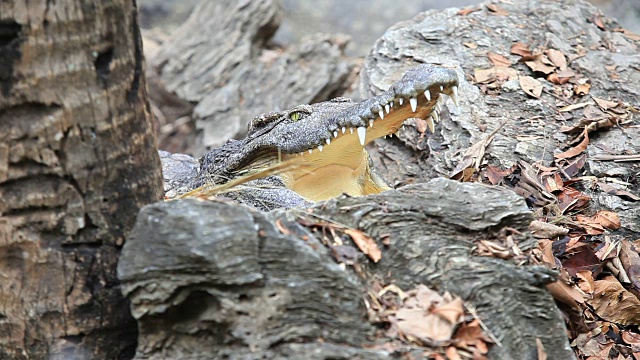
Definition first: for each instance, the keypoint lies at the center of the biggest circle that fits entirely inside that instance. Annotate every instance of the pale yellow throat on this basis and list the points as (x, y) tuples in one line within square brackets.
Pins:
[(342, 167)]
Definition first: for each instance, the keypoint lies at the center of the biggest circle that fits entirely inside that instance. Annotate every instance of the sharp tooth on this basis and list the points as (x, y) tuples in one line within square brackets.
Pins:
[(301, 154), (403, 128), (385, 136), (414, 104), (436, 117), (362, 132), (344, 129), (381, 113), (328, 141), (387, 108), (370, 123), (454, 94), (441, 87), (320, 147), (310, 151), (438, 107), (400, 101), (427, 94), (351, 129), (335, 133), (431, 125)]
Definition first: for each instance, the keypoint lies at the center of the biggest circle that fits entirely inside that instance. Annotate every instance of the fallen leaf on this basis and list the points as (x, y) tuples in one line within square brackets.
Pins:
[(571, 198), (531, 86), (539, 64), (612, 302), (543, 230), (498, 60), (542, 355), (418, 318), (366, 244), (453, 311), (582, 89), (575, 151), (497, 10), (484, 76), (630, 338), (556, 79), (521, 49), (597, 19), (605, 104), (630, 260), (566, 294), (586, 282), (630, 35), (470, 45), (468, 10), (495, 175), (608, 219), (452, 353), (557, 58), (573, 107)]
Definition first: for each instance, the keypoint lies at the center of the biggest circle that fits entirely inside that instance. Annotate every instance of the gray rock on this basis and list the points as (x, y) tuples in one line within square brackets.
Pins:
[(220, 59)]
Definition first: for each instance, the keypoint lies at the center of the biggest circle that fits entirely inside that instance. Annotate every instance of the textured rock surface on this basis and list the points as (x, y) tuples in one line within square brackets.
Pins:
[(220, 59), (440, 37), (222, 280)]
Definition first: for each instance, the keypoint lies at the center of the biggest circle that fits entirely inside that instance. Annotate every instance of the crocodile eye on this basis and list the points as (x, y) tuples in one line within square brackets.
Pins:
[(295, 116)]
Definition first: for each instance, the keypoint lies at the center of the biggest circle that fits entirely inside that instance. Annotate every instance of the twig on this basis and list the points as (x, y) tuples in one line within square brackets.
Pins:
[(473, 312)]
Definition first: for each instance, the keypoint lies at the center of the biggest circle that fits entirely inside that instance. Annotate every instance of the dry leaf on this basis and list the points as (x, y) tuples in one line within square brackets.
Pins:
[(484, 76), (597, 19), (573, 107), (452, 353), (566, 294), (612, 302), (365, 244), (541, 64), (608, 219), (630, 260), (586, 282), (575, 151), (618, 192), (470, 45), (557, 58), (531, 86), (468, 10), (582, 89), (453, 311), (631, 338), (521, 49), (542, 355), (543, 230), (605, 104), (497, 10), (498, 60)]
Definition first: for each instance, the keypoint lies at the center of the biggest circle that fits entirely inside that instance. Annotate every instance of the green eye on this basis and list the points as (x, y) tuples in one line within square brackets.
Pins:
[(295, 116)]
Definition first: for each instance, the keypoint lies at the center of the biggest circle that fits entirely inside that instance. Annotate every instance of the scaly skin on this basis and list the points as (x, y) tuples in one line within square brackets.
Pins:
[(327, 139)]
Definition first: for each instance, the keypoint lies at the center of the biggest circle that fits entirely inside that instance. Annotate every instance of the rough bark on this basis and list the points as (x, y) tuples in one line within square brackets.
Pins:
[(228, 282), (77, 161), (221, 59)]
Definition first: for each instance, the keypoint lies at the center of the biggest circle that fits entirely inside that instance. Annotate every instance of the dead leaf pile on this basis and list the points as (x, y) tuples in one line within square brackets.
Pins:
[(599, 282), (424, 317)]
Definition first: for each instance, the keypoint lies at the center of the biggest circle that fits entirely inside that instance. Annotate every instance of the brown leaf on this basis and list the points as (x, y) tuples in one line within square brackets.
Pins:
[(497, 10), (557, 58), (612, 302), (566, 294), (597, 19), (630, 260), (586, 282), (542, 355), (608, 219), (282, 228), (498, 60), (484, 76), (539, 64), (366, 244), (417, 320), (468, 10), (521, 49), (543, 230), (571, 198), (554, 78), (631, 338), (582, 89), (573, 107), (452, 353), (470, 45), (605, 104), (495, 175), (575, 151), (531, 86)]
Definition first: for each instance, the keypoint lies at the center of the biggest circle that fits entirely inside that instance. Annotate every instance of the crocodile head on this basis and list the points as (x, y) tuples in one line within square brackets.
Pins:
[(329, 138)]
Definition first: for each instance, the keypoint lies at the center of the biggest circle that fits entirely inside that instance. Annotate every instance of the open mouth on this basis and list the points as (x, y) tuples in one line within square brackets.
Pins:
[(340, 164)]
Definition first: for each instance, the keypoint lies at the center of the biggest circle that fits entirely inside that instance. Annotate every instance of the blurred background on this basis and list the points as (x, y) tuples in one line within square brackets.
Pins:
[(364, 20)]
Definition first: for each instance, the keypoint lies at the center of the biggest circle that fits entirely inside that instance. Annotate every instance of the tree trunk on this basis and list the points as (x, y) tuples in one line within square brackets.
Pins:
[(77, 161)]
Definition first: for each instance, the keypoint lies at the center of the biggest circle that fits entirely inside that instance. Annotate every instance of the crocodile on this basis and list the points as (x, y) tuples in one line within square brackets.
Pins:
[(323, 143)]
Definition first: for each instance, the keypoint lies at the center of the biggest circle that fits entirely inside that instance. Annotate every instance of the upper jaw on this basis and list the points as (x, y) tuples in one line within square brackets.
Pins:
[(417, 94)]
